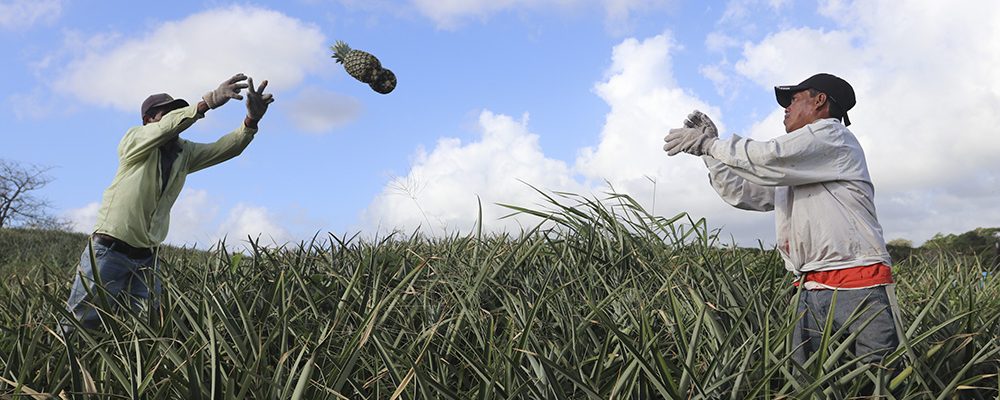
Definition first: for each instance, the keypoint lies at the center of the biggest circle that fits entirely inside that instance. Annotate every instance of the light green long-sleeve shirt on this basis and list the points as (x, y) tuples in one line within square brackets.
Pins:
[(135, 209)]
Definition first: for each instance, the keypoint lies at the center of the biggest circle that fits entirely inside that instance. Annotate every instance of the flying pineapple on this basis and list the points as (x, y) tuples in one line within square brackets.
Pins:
[(361, 65)]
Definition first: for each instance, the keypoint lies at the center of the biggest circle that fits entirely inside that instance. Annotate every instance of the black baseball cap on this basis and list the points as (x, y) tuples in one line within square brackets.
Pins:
[(836, 89), (161, 100)]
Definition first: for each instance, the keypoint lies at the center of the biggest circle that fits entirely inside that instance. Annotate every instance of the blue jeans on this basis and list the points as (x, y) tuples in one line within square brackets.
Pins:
[(125, 281), (875, 340)]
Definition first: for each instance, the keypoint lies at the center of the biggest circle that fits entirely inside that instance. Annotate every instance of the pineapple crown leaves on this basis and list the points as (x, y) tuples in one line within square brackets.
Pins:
[(340, 51)]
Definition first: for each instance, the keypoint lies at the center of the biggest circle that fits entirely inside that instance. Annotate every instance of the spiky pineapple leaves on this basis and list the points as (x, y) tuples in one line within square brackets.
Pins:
[(364, 67)]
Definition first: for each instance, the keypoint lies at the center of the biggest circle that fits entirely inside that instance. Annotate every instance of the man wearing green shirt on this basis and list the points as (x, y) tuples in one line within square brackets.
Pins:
[(153, 162)]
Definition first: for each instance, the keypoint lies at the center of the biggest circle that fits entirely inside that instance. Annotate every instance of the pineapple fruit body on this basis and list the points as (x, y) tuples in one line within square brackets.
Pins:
[(359, 64), (385, 82)]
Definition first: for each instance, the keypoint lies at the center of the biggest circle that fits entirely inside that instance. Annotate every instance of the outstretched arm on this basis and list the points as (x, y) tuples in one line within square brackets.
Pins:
[(141, 140), (813, 153), (696, 137), (817, 152), (735, 190), (205, 155)]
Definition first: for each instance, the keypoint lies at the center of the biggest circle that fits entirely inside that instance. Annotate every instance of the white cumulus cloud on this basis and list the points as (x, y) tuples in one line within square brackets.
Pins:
[(646, 102), (84, 218), (197, 220), (192, 218), (193, 55), (440, 191), (246, 222)]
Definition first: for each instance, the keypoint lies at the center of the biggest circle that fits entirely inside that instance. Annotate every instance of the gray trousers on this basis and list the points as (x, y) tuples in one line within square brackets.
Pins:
[(125, 279), (874, 342)]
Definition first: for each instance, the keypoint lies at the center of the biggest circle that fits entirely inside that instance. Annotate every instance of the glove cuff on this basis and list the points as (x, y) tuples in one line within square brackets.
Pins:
[(211, 100), (707, 145)]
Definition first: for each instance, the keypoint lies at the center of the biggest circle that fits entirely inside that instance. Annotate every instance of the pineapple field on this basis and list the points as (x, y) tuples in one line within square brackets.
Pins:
[(602, 301)]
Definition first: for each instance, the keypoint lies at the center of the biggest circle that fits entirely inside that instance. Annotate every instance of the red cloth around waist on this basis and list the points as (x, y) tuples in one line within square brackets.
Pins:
[(854, 277)]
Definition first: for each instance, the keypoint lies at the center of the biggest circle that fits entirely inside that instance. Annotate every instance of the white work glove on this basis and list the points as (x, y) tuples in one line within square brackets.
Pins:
[(230, 89), (697, 136), (257, 100), (697, 119)]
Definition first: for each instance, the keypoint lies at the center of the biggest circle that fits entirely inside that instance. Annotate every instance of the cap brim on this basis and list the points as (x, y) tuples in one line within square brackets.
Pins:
[(169, 105), (784, 94)]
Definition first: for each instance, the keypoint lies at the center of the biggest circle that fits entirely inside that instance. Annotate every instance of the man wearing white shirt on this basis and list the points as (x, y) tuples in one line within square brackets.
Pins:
[(816, 180)]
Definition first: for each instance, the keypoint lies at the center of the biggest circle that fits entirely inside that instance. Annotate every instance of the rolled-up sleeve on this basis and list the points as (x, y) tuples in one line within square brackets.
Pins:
[(808, 155), (204, 155)]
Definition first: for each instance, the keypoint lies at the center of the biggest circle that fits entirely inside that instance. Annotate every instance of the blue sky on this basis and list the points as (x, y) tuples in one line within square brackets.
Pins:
[(562, 94)]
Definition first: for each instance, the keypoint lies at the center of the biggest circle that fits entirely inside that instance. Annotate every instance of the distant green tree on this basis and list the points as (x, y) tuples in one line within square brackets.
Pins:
[(983, 243)]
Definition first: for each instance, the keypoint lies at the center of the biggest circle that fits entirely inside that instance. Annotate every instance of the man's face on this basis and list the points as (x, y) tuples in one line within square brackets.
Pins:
[(803, 110), (156, 114)]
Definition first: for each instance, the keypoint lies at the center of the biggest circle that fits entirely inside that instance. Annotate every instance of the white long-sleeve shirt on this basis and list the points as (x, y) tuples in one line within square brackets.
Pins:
[(816, 180)]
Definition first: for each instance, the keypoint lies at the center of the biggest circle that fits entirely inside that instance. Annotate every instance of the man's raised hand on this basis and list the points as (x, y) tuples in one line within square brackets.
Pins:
[(229, 89), (699, 120), (257, 100), (696, 137)]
